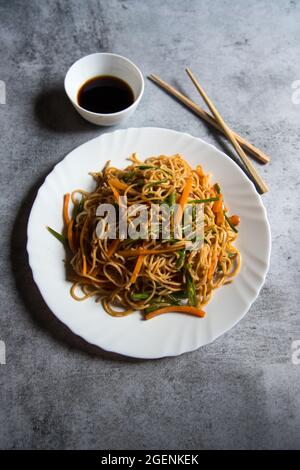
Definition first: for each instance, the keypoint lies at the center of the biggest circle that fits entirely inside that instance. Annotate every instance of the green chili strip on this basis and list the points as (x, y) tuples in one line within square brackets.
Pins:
[(202, 201), (57, 235)]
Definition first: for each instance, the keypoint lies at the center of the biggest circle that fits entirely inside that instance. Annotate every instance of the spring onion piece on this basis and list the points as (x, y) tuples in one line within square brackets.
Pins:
[(180, 260), (78, 208), (231, 225), (140, 296), (128, 176), (57, 235), (171, 199), (202, 201), (191, 289), (217, 188)]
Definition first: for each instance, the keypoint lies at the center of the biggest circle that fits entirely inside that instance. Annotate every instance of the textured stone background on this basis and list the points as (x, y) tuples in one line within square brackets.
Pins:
[(243, 390)]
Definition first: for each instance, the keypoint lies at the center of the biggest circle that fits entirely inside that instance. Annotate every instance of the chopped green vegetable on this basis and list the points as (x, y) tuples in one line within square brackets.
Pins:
[(128, 176), (191, 289), (140, 296), (194, 213), (231, 225), (171, 199), (180, 260), (57, 235), (202, 201), (78, 208), (217, 187)]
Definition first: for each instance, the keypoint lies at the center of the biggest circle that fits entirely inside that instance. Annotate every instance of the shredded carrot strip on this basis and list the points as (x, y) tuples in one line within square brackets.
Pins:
[(115, 192), (220, 218), (70, 236), (120, 185), (113, 247), (84, 265), (66, 208), (217, 206), (145, 251), (183, 199), (137, 269), (182, 308)]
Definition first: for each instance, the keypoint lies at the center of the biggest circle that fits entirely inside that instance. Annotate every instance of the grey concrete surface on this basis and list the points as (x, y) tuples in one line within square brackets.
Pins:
[(242, 391)]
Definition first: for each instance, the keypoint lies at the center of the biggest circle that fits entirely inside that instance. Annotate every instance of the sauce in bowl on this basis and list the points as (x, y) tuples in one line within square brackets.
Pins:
[(105, 94)]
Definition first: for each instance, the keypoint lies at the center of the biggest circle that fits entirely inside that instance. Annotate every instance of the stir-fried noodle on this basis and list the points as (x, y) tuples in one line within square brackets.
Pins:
[(151, 275)]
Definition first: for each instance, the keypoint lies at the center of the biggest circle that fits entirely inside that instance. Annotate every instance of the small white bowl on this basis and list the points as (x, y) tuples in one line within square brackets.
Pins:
[(102, 63)]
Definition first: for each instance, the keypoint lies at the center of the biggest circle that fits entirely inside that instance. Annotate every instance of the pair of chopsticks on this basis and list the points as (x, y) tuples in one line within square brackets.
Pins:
[(217, 121)]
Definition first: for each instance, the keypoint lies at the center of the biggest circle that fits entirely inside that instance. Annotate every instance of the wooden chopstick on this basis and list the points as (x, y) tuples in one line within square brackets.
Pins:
[(254, 151), (227, 131)]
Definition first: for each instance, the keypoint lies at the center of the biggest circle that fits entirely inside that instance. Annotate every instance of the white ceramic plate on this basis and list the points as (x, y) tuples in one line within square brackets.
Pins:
[(170, 334)]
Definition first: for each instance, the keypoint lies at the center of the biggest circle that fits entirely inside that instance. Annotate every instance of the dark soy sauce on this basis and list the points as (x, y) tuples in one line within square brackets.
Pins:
[(105, 94)]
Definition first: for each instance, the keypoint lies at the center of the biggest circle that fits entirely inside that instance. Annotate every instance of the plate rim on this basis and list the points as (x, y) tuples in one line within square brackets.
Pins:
[(207, 144)]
